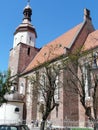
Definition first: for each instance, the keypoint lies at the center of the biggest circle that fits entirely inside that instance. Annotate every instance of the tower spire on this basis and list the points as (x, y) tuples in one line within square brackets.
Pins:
[(27, 12), (28, 2)]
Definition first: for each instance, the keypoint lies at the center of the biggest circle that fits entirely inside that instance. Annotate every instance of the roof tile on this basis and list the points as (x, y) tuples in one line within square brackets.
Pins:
[(53, 49), (91, 41)]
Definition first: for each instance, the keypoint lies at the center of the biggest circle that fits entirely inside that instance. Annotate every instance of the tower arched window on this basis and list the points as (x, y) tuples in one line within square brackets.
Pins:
[(30, 40), (28, 51), (17, 110), (21, 38)]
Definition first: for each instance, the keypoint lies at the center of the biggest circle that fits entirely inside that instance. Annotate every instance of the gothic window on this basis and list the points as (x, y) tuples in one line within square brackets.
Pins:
[(21, 88), (87, 79), (95, 60), (41, 108), (42, 85), (45, 83), (56, 96)]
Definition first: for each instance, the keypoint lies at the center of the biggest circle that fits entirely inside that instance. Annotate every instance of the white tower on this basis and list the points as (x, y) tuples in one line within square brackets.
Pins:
[(25, 32)]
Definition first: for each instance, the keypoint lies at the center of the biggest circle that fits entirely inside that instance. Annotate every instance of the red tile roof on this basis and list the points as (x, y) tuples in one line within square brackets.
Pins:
[(91, 41), (54, 48)]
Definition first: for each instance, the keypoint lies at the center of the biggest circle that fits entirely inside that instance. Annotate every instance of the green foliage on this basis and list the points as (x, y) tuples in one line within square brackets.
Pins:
[(5, 84), (81, 129)]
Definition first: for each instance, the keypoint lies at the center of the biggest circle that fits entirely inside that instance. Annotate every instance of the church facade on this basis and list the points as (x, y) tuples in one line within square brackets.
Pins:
[(25, 58)]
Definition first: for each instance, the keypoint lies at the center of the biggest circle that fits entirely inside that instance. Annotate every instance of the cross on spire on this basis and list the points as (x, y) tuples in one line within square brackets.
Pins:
[(28, 2)]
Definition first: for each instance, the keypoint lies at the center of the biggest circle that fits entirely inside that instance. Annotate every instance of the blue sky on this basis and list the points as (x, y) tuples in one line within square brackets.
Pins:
[(51, 19)]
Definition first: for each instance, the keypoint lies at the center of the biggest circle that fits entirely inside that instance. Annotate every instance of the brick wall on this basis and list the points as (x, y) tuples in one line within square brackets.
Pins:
[(20, 57)]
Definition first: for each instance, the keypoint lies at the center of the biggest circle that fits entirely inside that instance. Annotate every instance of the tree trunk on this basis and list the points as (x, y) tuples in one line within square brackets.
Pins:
[(42, 127)]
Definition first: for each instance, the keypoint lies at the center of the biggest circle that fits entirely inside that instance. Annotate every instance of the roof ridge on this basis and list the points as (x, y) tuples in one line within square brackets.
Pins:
[(78, 32)]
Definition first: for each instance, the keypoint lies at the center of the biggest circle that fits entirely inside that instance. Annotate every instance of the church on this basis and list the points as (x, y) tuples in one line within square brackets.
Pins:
[(25, 59)]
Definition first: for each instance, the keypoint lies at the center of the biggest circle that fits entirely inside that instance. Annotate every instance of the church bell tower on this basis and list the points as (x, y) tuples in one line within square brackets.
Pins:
[(24, 49)]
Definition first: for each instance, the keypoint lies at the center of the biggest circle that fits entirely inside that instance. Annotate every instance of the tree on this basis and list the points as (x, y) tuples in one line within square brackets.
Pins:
[(5, 85), (82, 80), (77, 66), (45, 85)]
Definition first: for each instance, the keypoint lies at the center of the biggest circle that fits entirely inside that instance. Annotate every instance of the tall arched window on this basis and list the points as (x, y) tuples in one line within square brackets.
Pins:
[(21, 88), (56, 96)]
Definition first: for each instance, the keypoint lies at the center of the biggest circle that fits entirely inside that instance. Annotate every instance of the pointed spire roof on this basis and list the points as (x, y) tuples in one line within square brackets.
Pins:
[(27, 12)]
